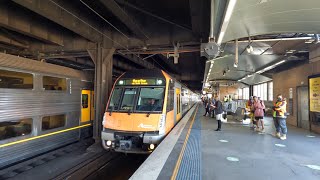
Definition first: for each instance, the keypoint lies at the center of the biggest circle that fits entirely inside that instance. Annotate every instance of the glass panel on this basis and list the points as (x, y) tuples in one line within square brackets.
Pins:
[(246, 93), (115, 99), (170, 102), (150, 99), (84, 100), (54, 83), (55, 121), (128, 99), (10, 129), (240, 94), (255, 90), (270, 91), (15, 80)]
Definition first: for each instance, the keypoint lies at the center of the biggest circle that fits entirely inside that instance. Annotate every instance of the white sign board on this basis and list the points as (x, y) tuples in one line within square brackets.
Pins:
[(290, 93)]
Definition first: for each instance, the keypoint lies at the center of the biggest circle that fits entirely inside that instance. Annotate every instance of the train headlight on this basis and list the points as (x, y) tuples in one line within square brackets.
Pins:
[(159, 81), (151, 146), (162, 124), (109, 143), (121, 82)]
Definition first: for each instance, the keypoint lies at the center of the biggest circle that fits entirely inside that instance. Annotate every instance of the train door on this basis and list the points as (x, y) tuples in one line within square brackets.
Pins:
[(92, 106), (85, 106), (303, 107), (178, 102)]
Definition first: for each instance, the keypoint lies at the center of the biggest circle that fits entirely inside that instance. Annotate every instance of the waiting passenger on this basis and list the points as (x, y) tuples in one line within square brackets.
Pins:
[(206, 107), (258, 113), (249, 108), (213, 102), (279, 117), (218, 111)]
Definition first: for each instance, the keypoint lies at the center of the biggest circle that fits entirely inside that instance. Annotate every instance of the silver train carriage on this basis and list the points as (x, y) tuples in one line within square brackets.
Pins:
[(40, 108)]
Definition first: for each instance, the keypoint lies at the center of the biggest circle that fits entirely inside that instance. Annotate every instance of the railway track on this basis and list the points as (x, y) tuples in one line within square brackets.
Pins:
[(23, 166)]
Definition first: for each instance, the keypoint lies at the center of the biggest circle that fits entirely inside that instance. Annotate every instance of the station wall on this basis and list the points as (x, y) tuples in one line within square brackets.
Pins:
[(294, 78)]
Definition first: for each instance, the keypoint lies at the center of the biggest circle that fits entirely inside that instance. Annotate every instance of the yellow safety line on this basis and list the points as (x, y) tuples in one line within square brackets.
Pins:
[(41, 136), (177, 167)]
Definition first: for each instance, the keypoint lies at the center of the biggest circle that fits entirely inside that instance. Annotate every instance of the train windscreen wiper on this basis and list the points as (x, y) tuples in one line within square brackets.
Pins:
[(112, 109), (154, 108)]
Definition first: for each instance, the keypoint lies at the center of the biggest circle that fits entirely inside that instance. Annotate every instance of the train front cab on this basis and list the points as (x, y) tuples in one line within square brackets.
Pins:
[(130, 124)]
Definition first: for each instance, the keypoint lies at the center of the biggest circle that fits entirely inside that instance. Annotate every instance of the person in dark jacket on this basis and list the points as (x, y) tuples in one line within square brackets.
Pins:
[(207, 107), (218, 111)]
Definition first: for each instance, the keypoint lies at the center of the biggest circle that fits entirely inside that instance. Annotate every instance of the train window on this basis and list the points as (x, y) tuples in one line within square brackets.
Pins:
[(85, 101), (170, 103), (150, 99), (128, 99), (10, 129), (115, 99), (52, 122), (54, 83), (15, 80)]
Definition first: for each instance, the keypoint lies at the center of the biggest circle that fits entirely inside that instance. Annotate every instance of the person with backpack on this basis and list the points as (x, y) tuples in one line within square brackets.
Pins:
[(218, 112)]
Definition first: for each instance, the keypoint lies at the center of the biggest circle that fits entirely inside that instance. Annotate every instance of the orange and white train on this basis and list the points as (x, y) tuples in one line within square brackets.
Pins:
[(142, 109)]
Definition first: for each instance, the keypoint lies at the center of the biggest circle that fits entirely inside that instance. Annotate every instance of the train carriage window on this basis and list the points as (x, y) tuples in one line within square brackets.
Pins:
[(170, 103), (52, 122), (15, 80), (128, 99), (85, 101), (150, 99), (10, 129), (115, 99), (54, 83)]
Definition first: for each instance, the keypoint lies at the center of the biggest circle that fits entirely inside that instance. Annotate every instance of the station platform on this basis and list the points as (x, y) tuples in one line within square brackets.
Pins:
[(237, 152)]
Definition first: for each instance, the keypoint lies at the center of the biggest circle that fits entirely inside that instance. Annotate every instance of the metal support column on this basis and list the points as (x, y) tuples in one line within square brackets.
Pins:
[(102, 84)]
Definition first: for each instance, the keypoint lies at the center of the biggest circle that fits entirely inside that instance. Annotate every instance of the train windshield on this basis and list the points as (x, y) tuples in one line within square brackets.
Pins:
[(150, 99), (115, 99), (128, 99)]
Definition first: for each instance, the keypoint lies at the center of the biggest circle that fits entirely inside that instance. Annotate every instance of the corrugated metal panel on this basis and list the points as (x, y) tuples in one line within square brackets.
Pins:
[(11, 61)]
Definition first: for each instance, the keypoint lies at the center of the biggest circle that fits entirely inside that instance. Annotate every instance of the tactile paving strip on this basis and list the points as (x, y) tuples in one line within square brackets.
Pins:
[(190, 167)]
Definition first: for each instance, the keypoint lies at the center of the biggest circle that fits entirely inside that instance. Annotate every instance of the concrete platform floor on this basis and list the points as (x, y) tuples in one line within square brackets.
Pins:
[(251, 155)]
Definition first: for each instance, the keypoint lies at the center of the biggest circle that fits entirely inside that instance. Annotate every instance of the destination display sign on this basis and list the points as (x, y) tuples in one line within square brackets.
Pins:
[(140, 82)]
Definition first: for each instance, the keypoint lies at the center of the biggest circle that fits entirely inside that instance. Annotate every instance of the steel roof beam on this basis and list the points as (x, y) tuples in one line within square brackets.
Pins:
[(113, 7), (56, 13), (17, 21)]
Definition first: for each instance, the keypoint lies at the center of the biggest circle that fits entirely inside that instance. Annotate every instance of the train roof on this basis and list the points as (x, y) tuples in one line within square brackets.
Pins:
[(16, 62)]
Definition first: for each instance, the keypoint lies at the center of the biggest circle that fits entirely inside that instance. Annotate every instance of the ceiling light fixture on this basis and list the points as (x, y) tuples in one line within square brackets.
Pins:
[(249, 49)]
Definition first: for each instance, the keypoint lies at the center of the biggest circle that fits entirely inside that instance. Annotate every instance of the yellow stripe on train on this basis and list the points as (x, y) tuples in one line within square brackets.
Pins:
[(44, 135)]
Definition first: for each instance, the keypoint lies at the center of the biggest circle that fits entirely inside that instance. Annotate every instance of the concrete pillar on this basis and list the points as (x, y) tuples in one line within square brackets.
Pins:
[(102, 57)]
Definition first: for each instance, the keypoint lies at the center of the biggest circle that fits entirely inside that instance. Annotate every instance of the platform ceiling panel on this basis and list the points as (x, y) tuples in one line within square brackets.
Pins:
[(257, 17), (247, 65)]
